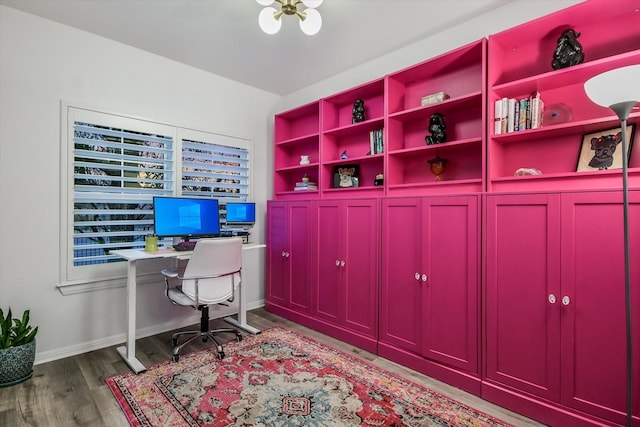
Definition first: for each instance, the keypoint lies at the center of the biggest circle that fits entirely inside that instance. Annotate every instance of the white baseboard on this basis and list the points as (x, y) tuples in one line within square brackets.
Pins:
[(85, 347)]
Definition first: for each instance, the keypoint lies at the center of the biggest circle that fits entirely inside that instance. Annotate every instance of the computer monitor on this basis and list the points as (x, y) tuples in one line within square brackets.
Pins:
[(241, 214), (185, 217)]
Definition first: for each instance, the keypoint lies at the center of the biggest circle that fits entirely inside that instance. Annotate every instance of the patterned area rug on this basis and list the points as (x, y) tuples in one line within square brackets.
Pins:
[(281, 378)]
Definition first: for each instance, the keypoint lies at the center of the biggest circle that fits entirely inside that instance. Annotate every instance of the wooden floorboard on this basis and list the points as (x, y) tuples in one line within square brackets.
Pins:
[(73, 392)]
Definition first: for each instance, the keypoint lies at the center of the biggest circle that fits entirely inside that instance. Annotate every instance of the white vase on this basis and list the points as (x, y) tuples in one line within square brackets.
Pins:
[(304, 160)]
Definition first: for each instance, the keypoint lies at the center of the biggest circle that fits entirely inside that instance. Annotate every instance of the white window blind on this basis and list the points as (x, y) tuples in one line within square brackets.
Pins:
[(219, 171), (116, 173)]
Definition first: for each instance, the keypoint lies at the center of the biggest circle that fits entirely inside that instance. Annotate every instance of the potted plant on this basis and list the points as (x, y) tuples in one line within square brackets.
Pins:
[(17, 349)]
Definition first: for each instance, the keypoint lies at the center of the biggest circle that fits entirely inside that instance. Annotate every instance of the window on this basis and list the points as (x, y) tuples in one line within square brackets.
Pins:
[(114, 167)]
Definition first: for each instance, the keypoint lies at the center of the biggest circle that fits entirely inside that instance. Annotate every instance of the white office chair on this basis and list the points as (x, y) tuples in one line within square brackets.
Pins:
[(211, 276)]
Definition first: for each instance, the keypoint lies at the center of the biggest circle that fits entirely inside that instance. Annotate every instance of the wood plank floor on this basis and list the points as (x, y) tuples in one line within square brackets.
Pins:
[(73, 392)]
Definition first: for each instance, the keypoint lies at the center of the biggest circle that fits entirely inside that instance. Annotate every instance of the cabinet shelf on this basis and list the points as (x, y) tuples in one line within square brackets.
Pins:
[(450, 145), (304, 139), (554, 79), (299, 168), (366, 126), (359, 159), (461, 102)]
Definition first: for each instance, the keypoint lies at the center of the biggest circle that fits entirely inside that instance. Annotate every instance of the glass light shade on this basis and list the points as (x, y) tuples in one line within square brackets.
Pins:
[(265, 2), (615, 86), (311, 3), (312, 23), (268, 22)]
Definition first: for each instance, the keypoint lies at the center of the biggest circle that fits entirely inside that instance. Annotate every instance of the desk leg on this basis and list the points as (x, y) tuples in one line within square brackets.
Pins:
[(241, 322), (128, 351)]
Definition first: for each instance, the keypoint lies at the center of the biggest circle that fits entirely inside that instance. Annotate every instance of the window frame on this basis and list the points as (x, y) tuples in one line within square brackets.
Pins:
[(78, 279)]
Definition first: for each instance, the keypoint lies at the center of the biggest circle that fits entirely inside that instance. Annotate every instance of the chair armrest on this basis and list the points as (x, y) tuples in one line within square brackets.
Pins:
[(170, 273)]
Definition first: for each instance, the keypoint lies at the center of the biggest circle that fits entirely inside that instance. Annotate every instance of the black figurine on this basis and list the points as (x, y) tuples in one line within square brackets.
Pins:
[(569, 50), (358, 111), (437, 128)]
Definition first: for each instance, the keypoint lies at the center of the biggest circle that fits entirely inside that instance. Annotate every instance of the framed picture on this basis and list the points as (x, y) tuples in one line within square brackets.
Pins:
[(603, 150), (346, 176)]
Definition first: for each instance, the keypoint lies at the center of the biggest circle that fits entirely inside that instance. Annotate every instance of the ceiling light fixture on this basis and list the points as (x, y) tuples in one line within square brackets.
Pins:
[(310, 19)]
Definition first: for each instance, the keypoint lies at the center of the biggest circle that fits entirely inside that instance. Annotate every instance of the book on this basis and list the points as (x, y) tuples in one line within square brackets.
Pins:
[(511, 114), (497, 117), (376, 144)]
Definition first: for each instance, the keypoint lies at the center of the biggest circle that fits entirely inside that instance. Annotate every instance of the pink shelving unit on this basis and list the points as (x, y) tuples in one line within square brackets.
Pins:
[(460, 75), (297, 133), (520, 64)]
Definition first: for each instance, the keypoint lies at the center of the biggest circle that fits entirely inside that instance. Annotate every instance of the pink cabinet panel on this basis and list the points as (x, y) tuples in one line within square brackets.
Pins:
[(348, 264), (401, 287), (430, 285), (593, 322), (523, 293), (290, 264), (451, 233)]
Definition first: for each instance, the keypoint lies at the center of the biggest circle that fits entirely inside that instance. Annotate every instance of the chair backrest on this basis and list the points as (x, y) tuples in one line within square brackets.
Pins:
[(222, 256)]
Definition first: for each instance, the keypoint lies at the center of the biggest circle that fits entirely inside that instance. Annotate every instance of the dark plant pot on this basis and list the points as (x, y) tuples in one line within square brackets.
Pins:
[(16, 364)]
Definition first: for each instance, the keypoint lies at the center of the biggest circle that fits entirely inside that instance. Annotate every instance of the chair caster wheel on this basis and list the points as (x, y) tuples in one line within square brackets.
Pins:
[(221, 355), (174, 341), (238, 338), (176, 357)]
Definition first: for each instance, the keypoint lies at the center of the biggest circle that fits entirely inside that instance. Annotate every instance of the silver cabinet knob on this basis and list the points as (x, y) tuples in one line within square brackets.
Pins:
[(284, 253), (424, 277), (337, 263), (552, 298), (342, 263), (566, 300), (417, 276)]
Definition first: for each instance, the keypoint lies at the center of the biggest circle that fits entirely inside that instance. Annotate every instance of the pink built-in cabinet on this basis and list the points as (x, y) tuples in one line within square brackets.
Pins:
[(325, 132), (555, 318), (460, 74), (465, 278), (520, 64)]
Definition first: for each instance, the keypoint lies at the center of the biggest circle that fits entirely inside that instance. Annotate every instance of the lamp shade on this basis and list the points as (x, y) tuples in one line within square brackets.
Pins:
[(268, 22), (265, 2), (615, 86), (312, 23)]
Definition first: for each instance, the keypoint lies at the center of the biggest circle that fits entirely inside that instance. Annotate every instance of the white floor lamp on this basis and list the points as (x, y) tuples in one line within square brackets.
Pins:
[(619, 90)]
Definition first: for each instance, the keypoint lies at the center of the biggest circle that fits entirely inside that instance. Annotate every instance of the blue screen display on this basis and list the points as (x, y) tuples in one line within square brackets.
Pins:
[(185, 217), (241, 213)]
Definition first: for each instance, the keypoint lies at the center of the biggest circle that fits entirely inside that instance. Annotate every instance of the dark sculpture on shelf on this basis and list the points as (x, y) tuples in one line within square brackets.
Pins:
[(569, 50), (358, 111), (437, 128)]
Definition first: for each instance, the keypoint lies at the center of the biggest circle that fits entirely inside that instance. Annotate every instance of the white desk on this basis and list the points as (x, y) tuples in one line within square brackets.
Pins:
[(128, 351)]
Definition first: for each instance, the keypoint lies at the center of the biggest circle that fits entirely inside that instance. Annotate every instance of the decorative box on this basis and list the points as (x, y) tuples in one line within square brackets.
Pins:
[(433, 98)]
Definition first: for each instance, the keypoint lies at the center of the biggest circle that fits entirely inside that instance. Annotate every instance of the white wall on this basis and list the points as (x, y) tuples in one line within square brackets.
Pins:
[(43, 63), (514, 13)]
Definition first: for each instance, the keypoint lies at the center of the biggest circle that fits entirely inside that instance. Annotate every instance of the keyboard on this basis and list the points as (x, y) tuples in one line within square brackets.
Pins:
[(185, 246)]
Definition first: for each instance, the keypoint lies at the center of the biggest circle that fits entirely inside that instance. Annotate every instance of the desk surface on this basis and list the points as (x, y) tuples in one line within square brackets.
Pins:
[(136, 254)]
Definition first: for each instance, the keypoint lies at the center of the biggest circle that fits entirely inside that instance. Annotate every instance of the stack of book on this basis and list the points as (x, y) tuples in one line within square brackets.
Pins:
[(305, 186), (512, 115), (376, 142)]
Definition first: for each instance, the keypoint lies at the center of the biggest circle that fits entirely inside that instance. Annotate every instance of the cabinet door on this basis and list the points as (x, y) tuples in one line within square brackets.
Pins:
[(301, 259), (450, 322), (401, 284), (278, 273), (593, 321), (348, 264), (331, 262), (523, 293), (361, 272), (289, 237)]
